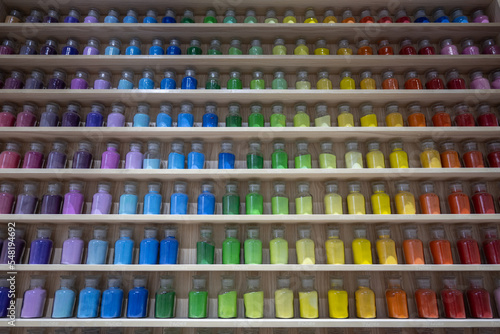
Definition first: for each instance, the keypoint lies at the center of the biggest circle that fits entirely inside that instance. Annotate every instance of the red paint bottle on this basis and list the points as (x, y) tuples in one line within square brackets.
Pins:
[(440, 247), (491, 245), (473, 158), (433, 80), (440, 116), (402, 17), (468, 249), (479, 299), (449, 155), (384, 16), (494, 154), (453, 299), (416, 117), (454, 81), (425, 47), (426, 299), (463, 117), (366, 17), (482, 200), (458, 201), (406, 48), (385, 48), (389, 81), (429, 201), (364, 48), (412, 81), (486, 116)]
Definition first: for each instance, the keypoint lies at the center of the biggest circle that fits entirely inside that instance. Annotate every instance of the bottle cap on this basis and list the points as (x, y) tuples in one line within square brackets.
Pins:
[(427, 144), (100, 233), (8, 107), (84, 146), (402, 186), (37, 282), (143, 108), (36, 147), (73, 107), (304, 232), (351, 146), (437, 232), (478, 187), (150, 232), (253, 283), (91, 281), (255, 42), (411, 232), (253, 232), (394, 283), (483, 109), (256, 108), (331, 187), (167, 282), (130, 187), (180, 187), (378, 187), (6, 187), (449, 282), (384, 232), (126, 232), (373, 146), (140, 282), (307, 282), (427, 187), (278, 232), (300, 41), (207, 186), (114, 282), (302, 145), (303, 187), (199, 282), (30, 107), (337, 283), (448, 146), (67, 281), (493, 146), (490, 232), (396, 144), (347, 14), (154, 187), (333, 232), (59, 146), (254, 146), (464, 232), (227, 282), (253, 187), (279, 187), (320, 43), (277, 108), (12, 147), (321, 109), (206, 231), (279, 75), (29, 187), (250, 13), (39, 75), (326, 147), (423, 282), (470, 146), (364, 282), (279, 145), (446, 42), (360, 233), (231, 232), (75, 232), (283, 282), (75, 186), (476, 282), (231, 187), (43, 233)]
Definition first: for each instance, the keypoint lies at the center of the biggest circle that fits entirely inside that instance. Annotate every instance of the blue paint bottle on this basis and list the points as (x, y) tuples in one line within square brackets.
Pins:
[(134, 47), (138, 299), (124, 246), (164, 117), (4, 297), (131, 17), (141, 117), (176, 158), (439, 16), (420, 16), (168, 82), (210, 118), (226, 156), (153, 199), (113, 48), (41, 247), (457, 16), (88, 299), (179, 199), (206, 200), (147, 80), (127, 80), (169, 247), (71, 48), (189, 81), (169, 17), (196, 158), (185, 119), (148, 250), (174, 48), (112, 17), (150, 17), (112, 299), (95, 117), (152, 156), (73, 16), (98, 247), (64, 298), (128, 200), (156, 48)]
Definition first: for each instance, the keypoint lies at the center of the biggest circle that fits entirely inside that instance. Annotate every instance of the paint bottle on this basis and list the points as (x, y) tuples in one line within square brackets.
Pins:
[(327, 158), (279, 81), (440, 117), (147, 80), (230, 16), (303, 158), (113, 48), (254, 202), (194, 48), (279, 200), (126, 81), (173, 47), (433, 81), (478, 16), (250, 17), (152, 156), (364, 48), (205, 247), (6, 198), (333, 201), (255, 160), (395, 296), (486, 117), (124, 246), (72, 250), (366, 16), (449, 155), (304, 245), (227, 299), (334, 246), (188, 16), (49, 48), (458, 202), (386, 247), (206, 200), (301, 118), (321, 48), (210, 16), (367, 82), (279, 48), (482, 200), (343, 48), (289, 16), (212, 80), (402, 17), (468, 248), (58, 80), (34, 299), (27, 200), (196, 158), (375, 157), (490, 47), (231, 247), (169, 16), (448, 48), (337, 299), (95, 117), (425, 47), (103, 80), (468, 47), (389, 81), (346, 81), (384, 16), (137, 305), (149, 247), (110, 158), (185, 119), (413, 247), (41, 247), (479, 299), (18, 246), (33, 158), (347, 16), (277, 119), (189, 81), (353, 157), (404, 199), (429, 201), (15, 81), (278, 246), (153, 199), (253, 299), (226, 156), (176, 158), (416, 117), (164, 117), (453, 299), (385, 48), (493, 154), (365, 299), (179, 199), (407, 48), (29, 48), (256, 118), (92, 48), (478, 81), (426, 299), (302, 80), (381, 202), (308, 299), (255, 48), (279, 157), (304, 200), (14, 16), (57, 157), (412, 81), (420, 16), (98, 247), (233, 118), (214, 48), (345, 117), (165, 299), (112, 17), (283, 299), (88, 299), (8, 115), (453, 80), (439, 16), (429, 157), (112, 299), (231, 200), (128, 200), (235, 48), (134, 158), (491, 245), (473, 158), (301, 48), (64, 298), (361, 247)]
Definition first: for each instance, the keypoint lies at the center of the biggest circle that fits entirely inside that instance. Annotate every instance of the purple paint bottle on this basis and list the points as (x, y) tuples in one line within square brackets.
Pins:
[(34, 157), (468, 47), (495, 79), (57, 157), (110, 158), (80, 80), (490, 47), (102, 200), (72, 249), (92, 16), (478, 16), (19, 245), (477, 81), (27, 117), (95, 117), (34, 298), (73, 16), (15, 81), (116, 117), (35, 80), (82, 159), (27, 199), (50, 117), (51, 17), (71, 48), (29, 48), (58, 80), (49, 48), (72, 115), (7, 47), (92, 48), (52, 200), (34, 17), (103, 80), (448, 48), (41, 247), (133, 159), (73, 200), (6, 198)]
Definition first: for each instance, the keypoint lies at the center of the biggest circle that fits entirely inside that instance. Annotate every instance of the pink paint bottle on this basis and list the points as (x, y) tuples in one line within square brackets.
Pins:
[(425, 48), (384, 16), (8, 115), (495, 79), (448, 48), (10, 158), (477, 81), (468, 47), (478, 16), (490, 47), (27, 117), (486, 116), (15, 81), (34, 157)]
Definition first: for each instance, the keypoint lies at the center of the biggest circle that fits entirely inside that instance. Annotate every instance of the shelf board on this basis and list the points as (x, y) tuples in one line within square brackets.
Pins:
[(267, 63), (267, 134), (247, 219), (267, 33), (246, 96), (262, 323), (252, 268)]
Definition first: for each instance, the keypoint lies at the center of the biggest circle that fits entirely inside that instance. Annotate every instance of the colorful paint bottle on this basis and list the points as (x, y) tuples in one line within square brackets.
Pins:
[(458, 201), (134, 158), (250, 17), (332, 200), (429, 157), (72, 250), (152, 200), (395, 296), (49, 48), (152, 156), (112, 299), (255, 160), (439, 16), (283, 299), (253, 299), (381, 202), (113, 48), (308, 299), (449, 155), (179, 199), (27, 117), (95, 117), (103, 80), (361, 247), (252, 247), (6, 198), (348, 17), (226, 156), (27, 200), (189, 81), (303, 158), (110, 158), (364, 48), (41, 247), (345, 118), (367, 82), (482, 200), (257, 81), (128, 200), (126, 81), (34, 299), (137, 305), (15, 81), (327, 158), (385, 48), (74, 199), (169, 246), (453, 80), (279, 157), (426, 299), (453, 299), (468, 47), (304, 246), (196, 158), (231, 246), (98, 247), (448, 48), (256, 118), (393, 117), (231, 200), (233, 118), (353, 157), (405, 201), (206, 200), (493, 156), (169, 16), (301, 48), (479, 299), (413, 247), (478, 81), (301, 118), (338, 299), (375, 157), (165, 299), (255, 48), (429, 201), (188, 16), (8, 115), (343, 48), (185, 119), (147, 80), (420, 16), (29, 48), (440, 117), (278, 118), (279, 81), (278, 246), (235, 48), (334, 246), (303, 201), (416, 117), (124, 246), (212, 81), (310, 16), (433, 80), (402, 17), (490, 47), (486, 117), (57, 157), (425, 47), (478, 16), (491, 245), (346, 82), (279, 47), (321, 48), (407, 48), (205, 247), (386, 247), (398, 158), (112, 17), (198, 298), (64, 298), (230, 16), (412, 81), (227, 299), (194, 48), (254, 200), (389, 81), (19, 245), (33, 158), (176, 158), (366, 16), (210, 16), (323, 81), (14, 16), (92, 48), (365, 299), (468, 248)]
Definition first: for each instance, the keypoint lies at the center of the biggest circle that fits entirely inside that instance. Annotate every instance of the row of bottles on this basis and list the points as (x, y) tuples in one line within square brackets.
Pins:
[(250, 249), (437, 15), (90, 302)]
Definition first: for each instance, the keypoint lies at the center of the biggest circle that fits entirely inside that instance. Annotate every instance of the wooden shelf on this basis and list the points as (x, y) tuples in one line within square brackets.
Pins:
[(116, 219), (267, 33), (267, 134), (262, 323), (267, 63), (246, 96)]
